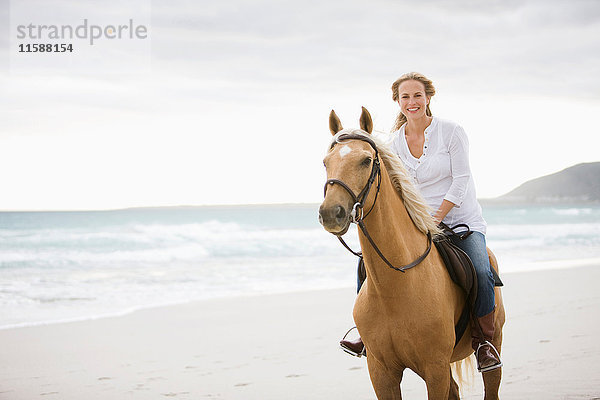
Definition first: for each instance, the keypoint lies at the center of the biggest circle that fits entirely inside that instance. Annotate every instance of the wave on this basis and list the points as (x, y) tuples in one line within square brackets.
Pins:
[(99, 266), (158, 243), (572, 211), (541, 215)]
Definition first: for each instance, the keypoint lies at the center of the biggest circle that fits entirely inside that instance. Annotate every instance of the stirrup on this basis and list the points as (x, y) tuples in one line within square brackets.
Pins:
[(352, 352), (349, 350), (491, 367)]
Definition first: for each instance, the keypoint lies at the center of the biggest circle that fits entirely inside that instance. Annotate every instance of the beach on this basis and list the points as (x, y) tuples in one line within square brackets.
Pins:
[(285, 346)]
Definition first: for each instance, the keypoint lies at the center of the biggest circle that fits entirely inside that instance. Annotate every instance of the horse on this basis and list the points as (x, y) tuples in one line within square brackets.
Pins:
[(405, 315)]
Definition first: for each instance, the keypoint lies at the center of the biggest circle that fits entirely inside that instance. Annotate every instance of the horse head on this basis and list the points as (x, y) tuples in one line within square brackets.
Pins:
[(352, 165)]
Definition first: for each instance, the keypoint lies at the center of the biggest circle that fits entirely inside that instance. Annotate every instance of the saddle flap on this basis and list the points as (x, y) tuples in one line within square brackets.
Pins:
[(497, 280), (459, 267)]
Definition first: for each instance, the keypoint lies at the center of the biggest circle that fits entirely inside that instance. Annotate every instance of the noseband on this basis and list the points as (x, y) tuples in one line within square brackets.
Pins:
[(357, 216)]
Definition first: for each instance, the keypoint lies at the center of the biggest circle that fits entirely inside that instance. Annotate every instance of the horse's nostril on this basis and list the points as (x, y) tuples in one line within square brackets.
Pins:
[(320, 219), (340, 213)]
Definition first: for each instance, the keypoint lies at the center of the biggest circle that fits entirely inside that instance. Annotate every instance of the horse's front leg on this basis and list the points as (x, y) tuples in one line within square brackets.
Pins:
[(385, 383), (438, 379)]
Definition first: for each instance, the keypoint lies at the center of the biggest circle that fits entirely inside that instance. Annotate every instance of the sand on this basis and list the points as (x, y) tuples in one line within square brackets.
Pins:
[(285, 347)]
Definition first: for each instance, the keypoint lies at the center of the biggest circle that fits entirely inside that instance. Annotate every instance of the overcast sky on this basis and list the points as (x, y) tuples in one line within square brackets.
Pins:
[(227, 102)]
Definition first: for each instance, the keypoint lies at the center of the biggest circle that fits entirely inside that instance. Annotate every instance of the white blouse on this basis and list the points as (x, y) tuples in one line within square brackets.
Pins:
[(443, 172)]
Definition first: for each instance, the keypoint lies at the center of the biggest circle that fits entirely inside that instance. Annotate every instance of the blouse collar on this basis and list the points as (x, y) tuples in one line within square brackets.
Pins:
[(429, 128)]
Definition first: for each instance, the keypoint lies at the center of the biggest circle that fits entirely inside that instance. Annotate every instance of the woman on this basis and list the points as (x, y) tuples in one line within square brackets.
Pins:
[(435, 153)]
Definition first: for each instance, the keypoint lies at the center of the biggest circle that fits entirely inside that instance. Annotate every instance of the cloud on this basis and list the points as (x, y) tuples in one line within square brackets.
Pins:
[(261, 76), (499, 45)]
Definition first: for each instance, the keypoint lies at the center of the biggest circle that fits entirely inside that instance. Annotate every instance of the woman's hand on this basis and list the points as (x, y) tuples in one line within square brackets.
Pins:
[(441, 212)]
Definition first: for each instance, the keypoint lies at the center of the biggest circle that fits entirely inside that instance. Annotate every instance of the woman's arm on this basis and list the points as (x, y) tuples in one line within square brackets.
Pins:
[(459, 166), (444, 209), (461, 173)]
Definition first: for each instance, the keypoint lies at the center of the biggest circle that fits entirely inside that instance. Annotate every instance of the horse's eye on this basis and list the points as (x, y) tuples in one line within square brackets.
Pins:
[(367, 161)]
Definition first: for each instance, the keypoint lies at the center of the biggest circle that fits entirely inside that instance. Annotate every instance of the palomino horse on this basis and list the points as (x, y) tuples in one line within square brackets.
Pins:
[(406, 320)]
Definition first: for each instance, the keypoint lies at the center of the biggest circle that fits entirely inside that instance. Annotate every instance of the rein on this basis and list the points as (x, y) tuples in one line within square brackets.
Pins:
[(357, 216)]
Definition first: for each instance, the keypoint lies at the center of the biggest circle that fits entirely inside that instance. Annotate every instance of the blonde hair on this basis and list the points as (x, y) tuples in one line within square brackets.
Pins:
[(411, 76)]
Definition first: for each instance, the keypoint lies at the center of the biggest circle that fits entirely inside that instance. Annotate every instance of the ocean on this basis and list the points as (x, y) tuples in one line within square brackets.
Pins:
[(68, 266)]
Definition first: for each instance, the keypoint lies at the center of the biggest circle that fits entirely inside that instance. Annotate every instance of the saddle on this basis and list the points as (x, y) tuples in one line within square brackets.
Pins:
[(461, 271), (460, 268)]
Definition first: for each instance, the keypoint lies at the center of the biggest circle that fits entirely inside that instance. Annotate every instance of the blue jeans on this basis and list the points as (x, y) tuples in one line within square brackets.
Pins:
[(359, 281), (474, 246)]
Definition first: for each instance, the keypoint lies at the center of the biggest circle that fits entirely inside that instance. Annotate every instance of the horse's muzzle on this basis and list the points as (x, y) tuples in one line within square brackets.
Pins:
[(335, 219)]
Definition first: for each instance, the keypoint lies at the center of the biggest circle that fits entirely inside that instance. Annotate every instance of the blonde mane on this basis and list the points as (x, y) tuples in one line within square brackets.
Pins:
[(417, 209)]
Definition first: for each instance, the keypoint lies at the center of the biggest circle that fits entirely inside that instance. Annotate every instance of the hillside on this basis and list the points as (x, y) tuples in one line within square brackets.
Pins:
[(577, 184)]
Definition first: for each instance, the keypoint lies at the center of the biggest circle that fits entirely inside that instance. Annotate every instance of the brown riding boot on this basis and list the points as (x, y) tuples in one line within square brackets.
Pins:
[(353, 347), (486, 354)]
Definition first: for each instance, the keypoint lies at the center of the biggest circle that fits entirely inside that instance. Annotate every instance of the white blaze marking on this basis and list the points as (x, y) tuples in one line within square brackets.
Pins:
[(345, 150)]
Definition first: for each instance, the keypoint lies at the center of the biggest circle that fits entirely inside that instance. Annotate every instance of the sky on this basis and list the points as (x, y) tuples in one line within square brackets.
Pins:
[(228, 102)]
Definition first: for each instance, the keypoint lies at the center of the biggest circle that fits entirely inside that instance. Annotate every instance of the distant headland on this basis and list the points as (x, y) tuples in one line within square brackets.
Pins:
[(577, 184)]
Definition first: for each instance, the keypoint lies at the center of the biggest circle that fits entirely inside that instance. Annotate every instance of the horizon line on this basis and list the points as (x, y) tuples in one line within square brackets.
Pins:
[(162, 206)]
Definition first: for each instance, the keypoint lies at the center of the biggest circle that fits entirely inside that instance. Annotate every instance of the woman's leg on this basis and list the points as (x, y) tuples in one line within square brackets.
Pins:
[(487, 356), (475, 247), (361, 274)]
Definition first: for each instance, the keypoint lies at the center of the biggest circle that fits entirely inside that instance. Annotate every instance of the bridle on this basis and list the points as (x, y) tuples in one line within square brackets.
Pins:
[(357, 215), (359, 201)]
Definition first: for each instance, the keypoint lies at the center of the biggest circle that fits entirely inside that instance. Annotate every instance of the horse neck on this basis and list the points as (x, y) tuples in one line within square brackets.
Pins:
[(394, 233)]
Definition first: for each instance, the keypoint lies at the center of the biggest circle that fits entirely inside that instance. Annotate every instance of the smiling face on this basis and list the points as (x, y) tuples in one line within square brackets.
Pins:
[(412, 99)]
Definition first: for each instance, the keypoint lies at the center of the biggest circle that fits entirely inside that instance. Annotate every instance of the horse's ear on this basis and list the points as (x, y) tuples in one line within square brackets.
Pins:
[(366, 123), (335, 125)]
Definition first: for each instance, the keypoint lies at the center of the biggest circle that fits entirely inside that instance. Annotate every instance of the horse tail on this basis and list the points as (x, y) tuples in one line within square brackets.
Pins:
[(463, 371)]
